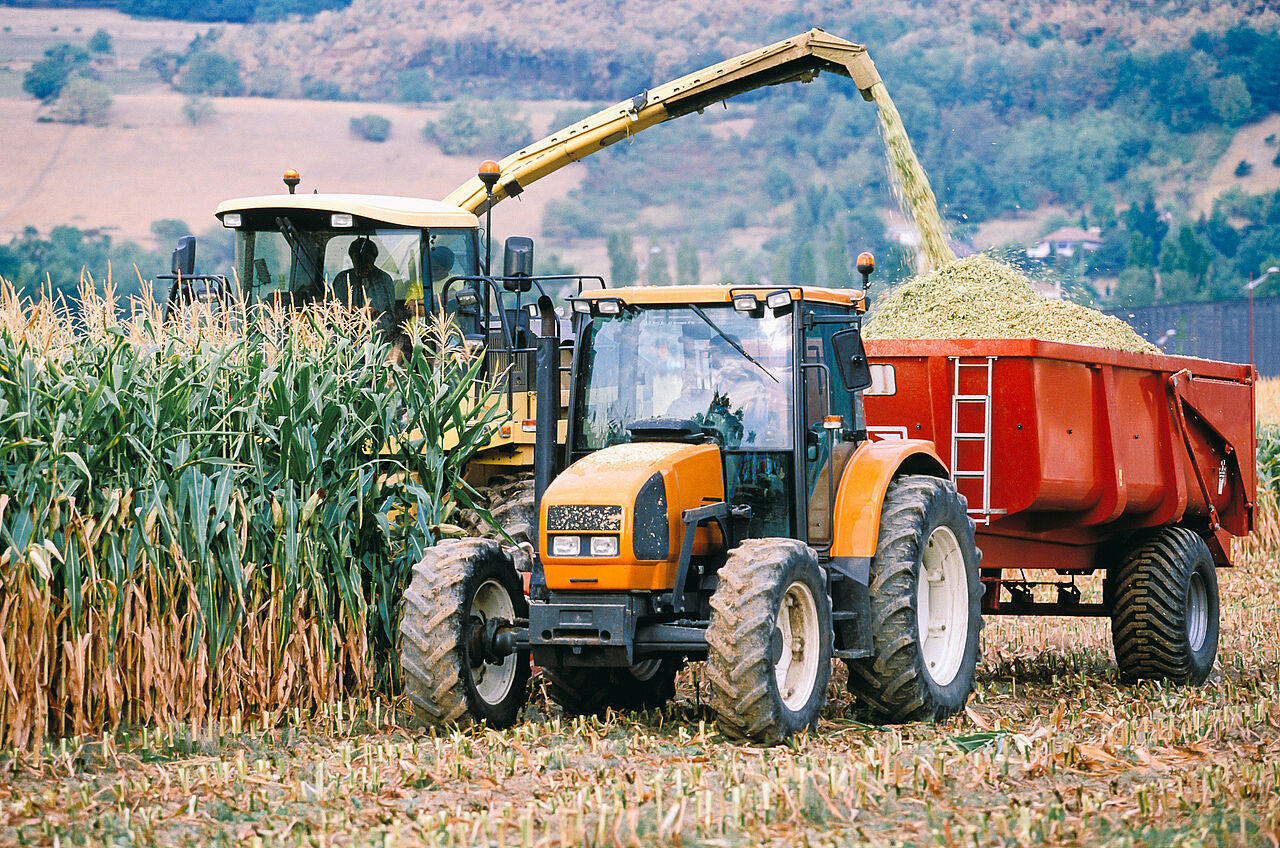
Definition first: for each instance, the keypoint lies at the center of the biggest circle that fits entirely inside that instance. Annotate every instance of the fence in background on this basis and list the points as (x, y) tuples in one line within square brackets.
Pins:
[(1213, 330)]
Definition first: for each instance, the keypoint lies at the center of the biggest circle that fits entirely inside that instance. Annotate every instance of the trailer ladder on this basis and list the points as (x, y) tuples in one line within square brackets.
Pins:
[(981, 514)]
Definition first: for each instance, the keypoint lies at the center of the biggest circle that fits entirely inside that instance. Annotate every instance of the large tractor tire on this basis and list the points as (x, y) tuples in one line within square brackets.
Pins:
[(590, 691), (769, 640), (926, 606), (510, 501), (458, 587), (1164, 615)]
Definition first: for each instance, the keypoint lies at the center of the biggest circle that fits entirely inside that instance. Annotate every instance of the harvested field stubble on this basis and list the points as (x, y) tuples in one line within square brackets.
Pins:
[(978, 297), (1052, 751)]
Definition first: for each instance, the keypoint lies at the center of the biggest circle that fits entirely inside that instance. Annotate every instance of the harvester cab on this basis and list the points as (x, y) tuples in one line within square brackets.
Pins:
[(399, 257), (719, 501)]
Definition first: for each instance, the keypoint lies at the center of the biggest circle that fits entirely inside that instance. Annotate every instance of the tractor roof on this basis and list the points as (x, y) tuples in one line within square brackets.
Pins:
[(676, 295), (400, 211)]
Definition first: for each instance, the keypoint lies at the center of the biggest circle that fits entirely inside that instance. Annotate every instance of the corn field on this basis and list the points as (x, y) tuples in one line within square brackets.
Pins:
[(212, 519)]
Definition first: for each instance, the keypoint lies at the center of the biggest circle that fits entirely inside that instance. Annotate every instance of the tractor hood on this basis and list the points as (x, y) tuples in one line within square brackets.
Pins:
[(613, 519)]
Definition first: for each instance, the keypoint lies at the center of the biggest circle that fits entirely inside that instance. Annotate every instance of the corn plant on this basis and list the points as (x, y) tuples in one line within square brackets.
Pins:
[(213, 519)]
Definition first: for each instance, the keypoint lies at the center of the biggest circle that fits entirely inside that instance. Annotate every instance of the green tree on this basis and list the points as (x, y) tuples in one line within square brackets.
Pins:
[(1178, 287), (1230, 98), (656, 272), (197, 109), (100, 43), (623, 268), (1139, 255), (270, 81), (475, 128), (1136, 287), (165, 63), (168, 230), (46, 77), (210, 72), (835, 258), (371, 127), (83, 101), (688, 269)]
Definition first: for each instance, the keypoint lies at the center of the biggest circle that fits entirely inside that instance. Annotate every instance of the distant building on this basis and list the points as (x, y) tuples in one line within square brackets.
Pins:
[(1065, 242)]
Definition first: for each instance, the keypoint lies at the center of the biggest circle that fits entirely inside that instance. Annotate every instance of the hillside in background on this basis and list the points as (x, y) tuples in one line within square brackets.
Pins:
[(1131, 121)]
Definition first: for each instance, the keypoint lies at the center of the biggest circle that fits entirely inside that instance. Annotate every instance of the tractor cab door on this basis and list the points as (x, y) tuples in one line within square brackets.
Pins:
[(828, 443)]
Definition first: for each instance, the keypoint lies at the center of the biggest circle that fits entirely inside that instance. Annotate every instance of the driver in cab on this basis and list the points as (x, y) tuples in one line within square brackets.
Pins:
[(365, 285)]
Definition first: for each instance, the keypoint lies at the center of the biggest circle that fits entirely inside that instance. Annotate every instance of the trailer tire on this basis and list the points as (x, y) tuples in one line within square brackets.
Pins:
[(511, 503), (924, 531), (458, 584), (771, 595), (590, 691), (1164, 618)]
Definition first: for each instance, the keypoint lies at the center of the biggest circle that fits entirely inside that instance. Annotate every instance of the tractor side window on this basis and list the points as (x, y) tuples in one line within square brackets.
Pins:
[(826, 451)]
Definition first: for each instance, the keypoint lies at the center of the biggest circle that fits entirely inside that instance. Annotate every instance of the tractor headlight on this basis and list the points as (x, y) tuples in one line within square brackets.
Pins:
[(604, 546), (566, 546)]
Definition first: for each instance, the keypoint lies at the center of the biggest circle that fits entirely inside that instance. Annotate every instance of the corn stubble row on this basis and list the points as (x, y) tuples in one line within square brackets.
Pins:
[(196, 522)]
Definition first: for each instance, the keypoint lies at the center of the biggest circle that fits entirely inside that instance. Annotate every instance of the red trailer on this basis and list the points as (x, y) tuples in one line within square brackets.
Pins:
[(1074, 459)]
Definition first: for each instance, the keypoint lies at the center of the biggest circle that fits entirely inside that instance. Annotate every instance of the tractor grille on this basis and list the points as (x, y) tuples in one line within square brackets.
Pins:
[(561, 517)]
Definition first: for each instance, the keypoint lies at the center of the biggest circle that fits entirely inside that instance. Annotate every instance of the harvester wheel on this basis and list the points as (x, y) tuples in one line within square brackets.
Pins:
[(590, 691), (1164, 615), (510, 502), (457, 588), (769, 640), (926, 614)]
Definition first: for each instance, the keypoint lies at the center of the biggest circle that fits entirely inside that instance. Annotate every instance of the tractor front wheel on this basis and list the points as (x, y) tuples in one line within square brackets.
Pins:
[(461, 589), (769, 640)]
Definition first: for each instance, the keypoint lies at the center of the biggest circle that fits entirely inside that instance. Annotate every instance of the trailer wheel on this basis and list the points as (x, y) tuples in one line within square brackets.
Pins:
[(458, 586), (769, 640), (590, 691), (510, 501), (926, 614), (1164, 618)]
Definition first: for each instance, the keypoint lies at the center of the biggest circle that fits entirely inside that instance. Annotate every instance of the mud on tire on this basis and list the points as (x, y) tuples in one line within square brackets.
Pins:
[(456, 586), (1164, 616), (590, 691), (925, 638), (510, 501), (769, 640)]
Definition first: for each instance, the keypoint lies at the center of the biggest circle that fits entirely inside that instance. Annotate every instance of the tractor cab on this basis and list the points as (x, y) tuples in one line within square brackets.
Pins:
[(754, 371)]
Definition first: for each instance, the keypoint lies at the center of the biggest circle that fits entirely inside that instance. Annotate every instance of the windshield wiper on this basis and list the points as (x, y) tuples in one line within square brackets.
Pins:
[(697, 310), (291, 235)]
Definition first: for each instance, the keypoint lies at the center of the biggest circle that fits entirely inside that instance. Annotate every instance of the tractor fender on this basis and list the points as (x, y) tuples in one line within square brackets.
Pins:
[(866, 478)]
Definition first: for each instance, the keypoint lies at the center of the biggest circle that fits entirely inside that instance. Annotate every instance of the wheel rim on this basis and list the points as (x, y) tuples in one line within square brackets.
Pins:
[(493, 681), (942, 606), (796, 669), (1197, 611)]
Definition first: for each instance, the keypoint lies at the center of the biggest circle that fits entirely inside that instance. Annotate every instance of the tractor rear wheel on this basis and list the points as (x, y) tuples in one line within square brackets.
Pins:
[(769, 640), (1164, 615), (458, 588), (926, 613), (590, 691)]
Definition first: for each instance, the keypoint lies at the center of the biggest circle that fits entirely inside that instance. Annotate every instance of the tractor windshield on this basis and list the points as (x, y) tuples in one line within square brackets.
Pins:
[(726, 370)]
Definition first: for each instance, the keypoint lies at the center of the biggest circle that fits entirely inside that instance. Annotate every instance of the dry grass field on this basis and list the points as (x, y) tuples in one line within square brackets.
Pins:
[(1052, 751)]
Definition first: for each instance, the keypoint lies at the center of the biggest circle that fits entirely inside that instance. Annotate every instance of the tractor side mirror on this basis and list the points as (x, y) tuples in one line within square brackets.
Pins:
[(183, 262), (517, 264), (851, 359)]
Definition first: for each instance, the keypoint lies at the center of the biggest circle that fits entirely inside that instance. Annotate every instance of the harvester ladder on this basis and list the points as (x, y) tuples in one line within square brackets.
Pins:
[(982, 474)]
